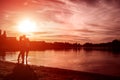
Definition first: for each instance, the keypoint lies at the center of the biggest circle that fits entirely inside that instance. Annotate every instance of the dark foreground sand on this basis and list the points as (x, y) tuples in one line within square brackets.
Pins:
[(12, 71)]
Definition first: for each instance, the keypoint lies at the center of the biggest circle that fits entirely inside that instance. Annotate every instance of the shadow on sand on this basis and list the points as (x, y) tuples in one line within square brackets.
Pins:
[(22, 72), (26, 72)]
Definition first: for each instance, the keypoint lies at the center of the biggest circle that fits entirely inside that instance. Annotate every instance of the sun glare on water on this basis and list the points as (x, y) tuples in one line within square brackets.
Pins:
[(26, 26)]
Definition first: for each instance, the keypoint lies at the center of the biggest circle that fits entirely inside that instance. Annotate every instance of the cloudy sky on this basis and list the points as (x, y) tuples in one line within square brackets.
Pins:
[(64, 20)]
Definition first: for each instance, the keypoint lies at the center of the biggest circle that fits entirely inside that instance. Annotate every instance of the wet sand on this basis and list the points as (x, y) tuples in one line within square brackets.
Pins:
[(13, 71)]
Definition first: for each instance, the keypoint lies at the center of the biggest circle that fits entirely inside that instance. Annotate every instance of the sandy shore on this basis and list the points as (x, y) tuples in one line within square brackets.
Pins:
[(13, 71)]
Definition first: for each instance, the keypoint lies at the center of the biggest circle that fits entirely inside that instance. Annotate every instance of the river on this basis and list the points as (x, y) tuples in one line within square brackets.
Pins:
[(102, 62)]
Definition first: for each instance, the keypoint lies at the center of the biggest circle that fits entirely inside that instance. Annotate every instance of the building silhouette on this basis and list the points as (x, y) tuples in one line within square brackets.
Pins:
[(7, 43)]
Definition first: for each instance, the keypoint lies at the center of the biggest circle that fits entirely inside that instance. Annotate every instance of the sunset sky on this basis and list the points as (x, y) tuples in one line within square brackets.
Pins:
[(63, 20)]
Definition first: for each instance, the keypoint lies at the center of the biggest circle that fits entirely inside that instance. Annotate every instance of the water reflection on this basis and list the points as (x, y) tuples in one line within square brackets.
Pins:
[(90, 61), (2, 55)]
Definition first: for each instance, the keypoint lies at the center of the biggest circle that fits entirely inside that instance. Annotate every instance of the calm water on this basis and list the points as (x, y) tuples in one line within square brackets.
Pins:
[(89, 61)]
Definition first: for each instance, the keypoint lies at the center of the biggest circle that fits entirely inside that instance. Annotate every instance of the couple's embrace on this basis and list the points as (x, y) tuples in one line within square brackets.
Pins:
[(24, 49)]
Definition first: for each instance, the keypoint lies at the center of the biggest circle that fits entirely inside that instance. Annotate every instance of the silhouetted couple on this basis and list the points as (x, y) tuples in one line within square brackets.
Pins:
[(21, 71), (24, 49)]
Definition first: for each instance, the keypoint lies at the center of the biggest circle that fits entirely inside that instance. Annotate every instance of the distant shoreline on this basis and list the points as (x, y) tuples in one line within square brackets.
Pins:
[(12, 44)]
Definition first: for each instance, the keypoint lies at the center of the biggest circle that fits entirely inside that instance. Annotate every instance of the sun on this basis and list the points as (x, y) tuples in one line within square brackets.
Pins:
[(26, 26)]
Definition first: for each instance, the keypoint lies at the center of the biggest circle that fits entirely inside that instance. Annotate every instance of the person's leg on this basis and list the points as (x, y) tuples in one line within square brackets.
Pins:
[(23, 55), (19, 56), (27, 56)]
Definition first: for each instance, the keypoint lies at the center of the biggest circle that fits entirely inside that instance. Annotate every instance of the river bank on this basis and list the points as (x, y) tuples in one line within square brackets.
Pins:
[(14, 71)]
